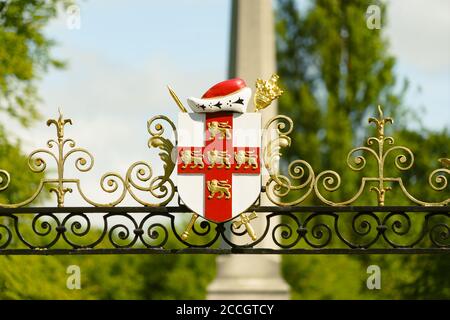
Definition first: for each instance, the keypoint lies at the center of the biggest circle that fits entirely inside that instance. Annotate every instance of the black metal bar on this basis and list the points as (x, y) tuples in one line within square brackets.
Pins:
[(157, 251), (293, 230), (183, 209)]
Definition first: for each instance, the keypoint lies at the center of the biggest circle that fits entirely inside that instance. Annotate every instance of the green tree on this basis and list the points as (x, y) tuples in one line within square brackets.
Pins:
[(335, 71), (25, 55)]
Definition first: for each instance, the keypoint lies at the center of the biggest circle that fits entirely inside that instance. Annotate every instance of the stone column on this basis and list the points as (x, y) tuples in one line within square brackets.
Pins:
[(252, 56)]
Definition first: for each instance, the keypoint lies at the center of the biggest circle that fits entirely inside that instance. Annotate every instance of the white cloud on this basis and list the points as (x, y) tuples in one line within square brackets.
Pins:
[(419, 33), (110, 104)]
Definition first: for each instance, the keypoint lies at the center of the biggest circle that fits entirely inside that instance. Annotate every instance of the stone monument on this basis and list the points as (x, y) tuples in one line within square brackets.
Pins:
[(252, 56)]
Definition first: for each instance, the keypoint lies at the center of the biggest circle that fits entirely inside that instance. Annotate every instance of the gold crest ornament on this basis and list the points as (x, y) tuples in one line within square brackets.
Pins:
[(266, 92)]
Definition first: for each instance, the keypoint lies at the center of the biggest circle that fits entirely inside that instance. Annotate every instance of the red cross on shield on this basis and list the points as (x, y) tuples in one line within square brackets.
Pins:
[(219, 162)]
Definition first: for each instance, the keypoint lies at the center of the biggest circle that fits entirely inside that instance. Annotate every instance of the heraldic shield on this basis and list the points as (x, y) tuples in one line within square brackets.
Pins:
[(219, 169), (219, 152)]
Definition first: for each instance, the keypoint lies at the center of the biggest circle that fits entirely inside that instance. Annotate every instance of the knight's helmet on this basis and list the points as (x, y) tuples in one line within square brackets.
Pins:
[(230, 95)]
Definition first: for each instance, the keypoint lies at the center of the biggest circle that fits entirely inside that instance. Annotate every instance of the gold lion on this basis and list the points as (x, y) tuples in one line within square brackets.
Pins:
[(220, 129), (192, 157), (221, 187), (248, 158), (219, 158)]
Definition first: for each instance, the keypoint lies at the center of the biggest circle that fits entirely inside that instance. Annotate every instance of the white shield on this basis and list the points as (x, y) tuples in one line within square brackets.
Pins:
[(245, 181)]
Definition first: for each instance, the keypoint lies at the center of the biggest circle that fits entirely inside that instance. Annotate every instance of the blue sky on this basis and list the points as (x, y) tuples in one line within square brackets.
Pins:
[(134, 32), (419, 35), (183, 40), (126, 52)]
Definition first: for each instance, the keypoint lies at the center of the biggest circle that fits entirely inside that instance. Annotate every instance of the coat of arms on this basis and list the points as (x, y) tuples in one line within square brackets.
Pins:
[(219, 150)]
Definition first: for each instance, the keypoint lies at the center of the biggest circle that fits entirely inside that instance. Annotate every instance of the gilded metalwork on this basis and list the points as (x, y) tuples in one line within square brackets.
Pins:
[(437, 179), (218, 159), (266, 92), (445, 162), (4, 180), (189, 227), (246, 158), (245, 220), (296, 186), (335, 228), (298, 230), (220, 129), (331, 181), (276, 137), (221, 188), (299, 182), (177, 100), (139, 176), (66, 149), (191, 158)]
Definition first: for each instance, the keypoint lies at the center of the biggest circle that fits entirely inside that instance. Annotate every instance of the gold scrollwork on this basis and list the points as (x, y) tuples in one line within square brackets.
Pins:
[(276, 137), (331, 181), (295, 186), (4, 180), (160, 187), (437, 179), (84, 162)]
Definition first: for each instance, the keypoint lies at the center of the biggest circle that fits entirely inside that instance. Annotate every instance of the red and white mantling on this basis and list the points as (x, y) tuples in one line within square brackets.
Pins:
[(227, 96)]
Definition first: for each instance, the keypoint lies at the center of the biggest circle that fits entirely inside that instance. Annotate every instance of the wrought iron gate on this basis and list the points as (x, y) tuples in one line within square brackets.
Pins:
[(289, 225)]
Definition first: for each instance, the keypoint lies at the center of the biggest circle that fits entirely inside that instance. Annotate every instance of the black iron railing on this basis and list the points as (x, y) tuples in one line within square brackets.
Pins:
[(287, 226), (285, 230)]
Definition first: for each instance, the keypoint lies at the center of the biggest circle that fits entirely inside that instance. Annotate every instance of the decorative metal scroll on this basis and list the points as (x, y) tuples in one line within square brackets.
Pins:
[(61, 151), (280, 186), (331, 180), (299, 181), (139, 176), (297, 185), (335, 227), (155, 230)]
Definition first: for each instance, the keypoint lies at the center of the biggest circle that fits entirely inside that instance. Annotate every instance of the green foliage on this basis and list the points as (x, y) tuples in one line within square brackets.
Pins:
[(24, 57), (335, 71), (344, 277), (24, 184), (107, 277), (177, 277), (323, 277), (34, 277), (24, 54), (103, 277)]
